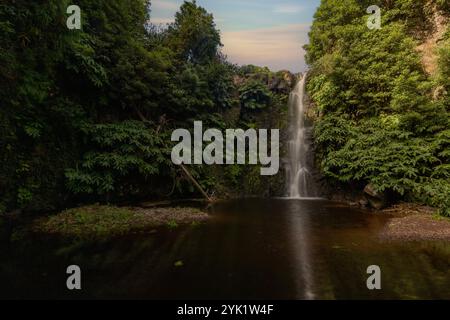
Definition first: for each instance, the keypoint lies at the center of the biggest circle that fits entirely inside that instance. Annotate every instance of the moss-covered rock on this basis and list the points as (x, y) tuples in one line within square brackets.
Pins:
[(100, 222)]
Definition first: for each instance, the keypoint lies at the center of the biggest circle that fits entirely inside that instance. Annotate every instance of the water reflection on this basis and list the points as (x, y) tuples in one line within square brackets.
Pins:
[(251, 249), (300, 239)]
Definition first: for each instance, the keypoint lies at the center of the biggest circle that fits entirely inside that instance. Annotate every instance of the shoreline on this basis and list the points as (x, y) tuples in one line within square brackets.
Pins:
[(412, 222), (105, 222), (406, 221)]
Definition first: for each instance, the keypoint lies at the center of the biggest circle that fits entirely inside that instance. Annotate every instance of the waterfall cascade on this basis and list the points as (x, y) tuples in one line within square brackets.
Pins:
[(300, 183)]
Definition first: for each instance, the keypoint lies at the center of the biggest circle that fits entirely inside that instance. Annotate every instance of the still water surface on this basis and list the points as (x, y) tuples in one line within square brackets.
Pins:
[(250, 249)]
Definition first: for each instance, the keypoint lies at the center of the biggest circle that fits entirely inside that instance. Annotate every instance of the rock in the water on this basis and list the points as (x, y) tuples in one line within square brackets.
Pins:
[(370, 190), (376, 200), (377, 203), (363, 202)]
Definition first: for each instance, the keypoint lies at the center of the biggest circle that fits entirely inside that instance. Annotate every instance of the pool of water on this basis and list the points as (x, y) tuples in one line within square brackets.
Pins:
[(250, 249)]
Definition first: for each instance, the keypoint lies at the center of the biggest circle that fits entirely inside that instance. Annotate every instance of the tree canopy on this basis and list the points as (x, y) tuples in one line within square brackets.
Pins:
[(89, 111), (380, 120)]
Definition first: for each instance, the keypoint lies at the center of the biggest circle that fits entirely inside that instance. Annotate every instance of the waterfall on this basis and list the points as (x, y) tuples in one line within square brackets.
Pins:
[(300, 185), (300, 182)]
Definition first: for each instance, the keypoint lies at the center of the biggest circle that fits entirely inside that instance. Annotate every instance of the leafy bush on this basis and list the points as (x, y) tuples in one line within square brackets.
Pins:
[(378, 122), (84, 113), (254, 95), (125, 157)]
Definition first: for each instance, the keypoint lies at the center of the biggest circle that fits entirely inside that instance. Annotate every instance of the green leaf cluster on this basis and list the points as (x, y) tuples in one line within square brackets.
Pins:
[(381, 120), (86, 114)]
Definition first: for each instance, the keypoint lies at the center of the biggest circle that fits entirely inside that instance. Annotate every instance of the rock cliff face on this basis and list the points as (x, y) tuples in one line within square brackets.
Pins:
[(430, 38), (282, 82), (278, 82)]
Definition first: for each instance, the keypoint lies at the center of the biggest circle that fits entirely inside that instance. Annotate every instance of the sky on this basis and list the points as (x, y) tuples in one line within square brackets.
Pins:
[(262, 32)]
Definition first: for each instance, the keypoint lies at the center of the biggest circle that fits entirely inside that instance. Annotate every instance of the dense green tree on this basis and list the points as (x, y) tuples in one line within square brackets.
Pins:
[(39, 114), (379, 121), (254, 95), (193, 35), (88, 113)]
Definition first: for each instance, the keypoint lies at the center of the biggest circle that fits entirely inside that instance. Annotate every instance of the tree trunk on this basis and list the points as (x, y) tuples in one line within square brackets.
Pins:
[(188, 174)]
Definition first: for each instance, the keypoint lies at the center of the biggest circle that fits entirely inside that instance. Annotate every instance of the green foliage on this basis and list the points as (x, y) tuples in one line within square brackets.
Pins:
[(94, 222), (172, 224), (253, 70), (254, 95), (378, 122), (193, 35), (178, 264), (86, 115), (324, 93), (443, 5), (122, 161), (98, 222)]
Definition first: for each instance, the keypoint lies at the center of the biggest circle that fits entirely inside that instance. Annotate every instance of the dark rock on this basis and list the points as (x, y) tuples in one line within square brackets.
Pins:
[(283, 86), (377, 203), (363, 202), (370, 190), (289, 79), (274, 83), (376, 200), (282, 82)]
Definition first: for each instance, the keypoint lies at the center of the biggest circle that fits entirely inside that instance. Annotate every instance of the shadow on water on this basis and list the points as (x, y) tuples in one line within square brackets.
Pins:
[(250, 249)]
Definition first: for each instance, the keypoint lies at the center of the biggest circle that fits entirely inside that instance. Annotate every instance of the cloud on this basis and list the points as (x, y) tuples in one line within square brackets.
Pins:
[(277, 47), (164, 5), (288, 9), (162, 20)]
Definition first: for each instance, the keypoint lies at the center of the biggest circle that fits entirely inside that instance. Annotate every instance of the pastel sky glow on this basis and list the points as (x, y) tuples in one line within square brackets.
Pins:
[(262, 32)]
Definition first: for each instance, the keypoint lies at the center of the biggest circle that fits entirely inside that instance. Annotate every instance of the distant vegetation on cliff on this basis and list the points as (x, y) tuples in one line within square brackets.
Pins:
[(382, 97)]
